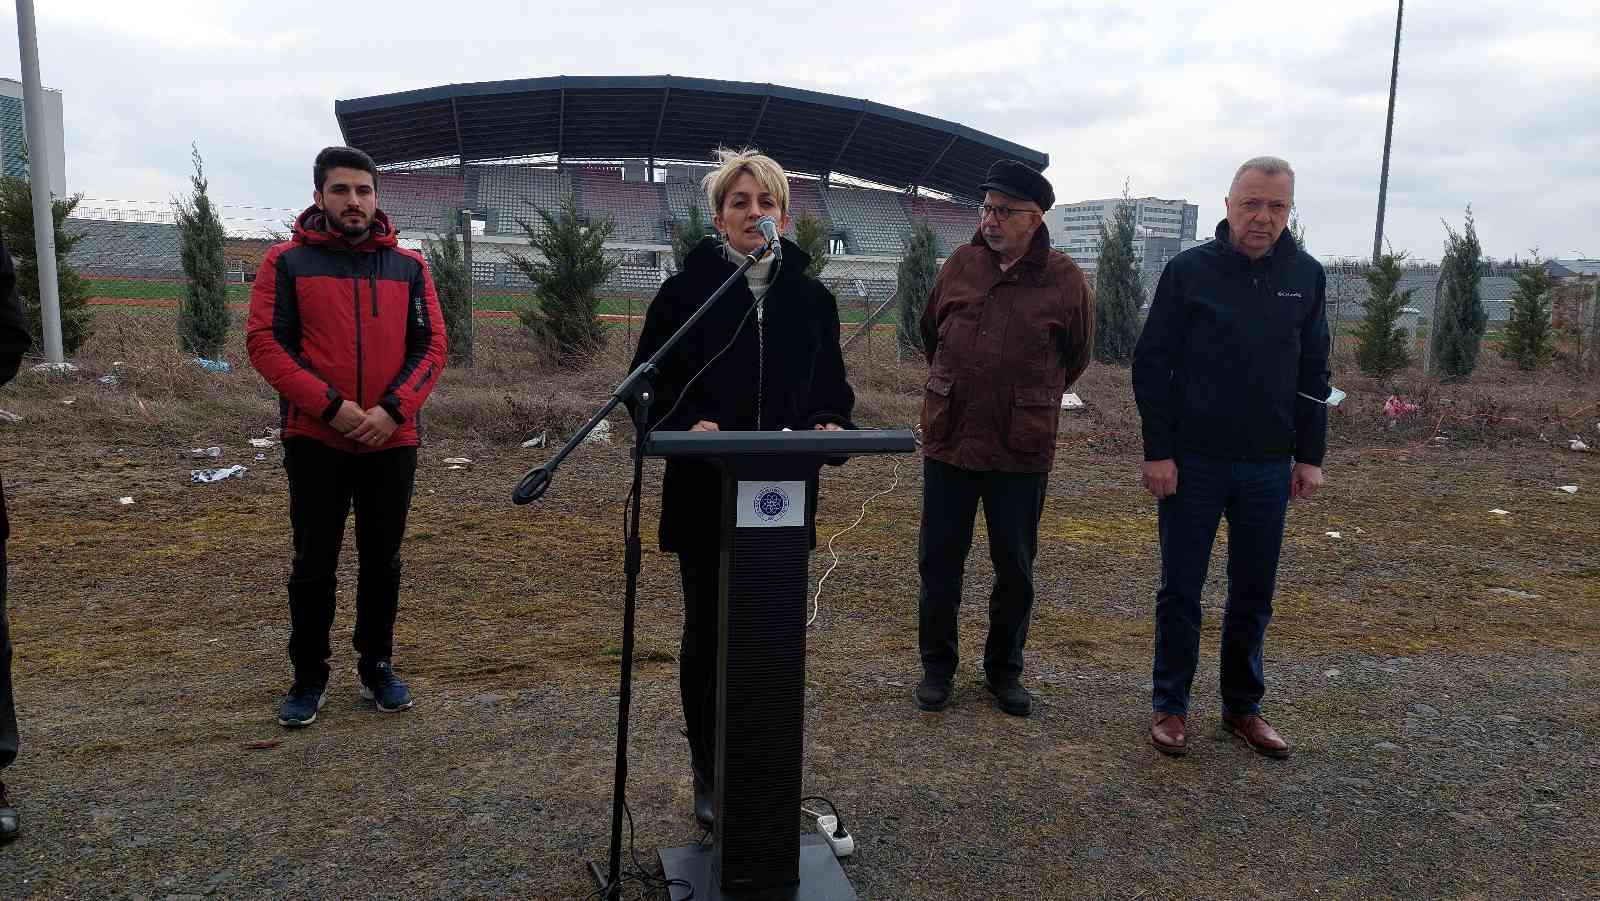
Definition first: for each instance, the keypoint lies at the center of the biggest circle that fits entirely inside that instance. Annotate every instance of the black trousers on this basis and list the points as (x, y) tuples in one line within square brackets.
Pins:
[(8, 706), (1012, 505), (324, 483), (697, 655)]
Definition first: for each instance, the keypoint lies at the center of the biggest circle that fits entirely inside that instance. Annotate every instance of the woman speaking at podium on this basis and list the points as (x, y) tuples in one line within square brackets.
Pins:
[(765, 357)]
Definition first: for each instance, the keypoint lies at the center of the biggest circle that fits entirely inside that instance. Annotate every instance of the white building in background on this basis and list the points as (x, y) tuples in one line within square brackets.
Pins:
[(14, 145), (1161, 228)]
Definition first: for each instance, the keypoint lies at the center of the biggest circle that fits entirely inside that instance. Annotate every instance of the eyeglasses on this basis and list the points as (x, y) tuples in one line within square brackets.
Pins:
[(1002, 213)]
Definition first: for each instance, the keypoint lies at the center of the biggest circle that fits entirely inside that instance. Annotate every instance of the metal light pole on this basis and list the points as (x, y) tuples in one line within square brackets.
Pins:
[(1388, 135), (44, 224)]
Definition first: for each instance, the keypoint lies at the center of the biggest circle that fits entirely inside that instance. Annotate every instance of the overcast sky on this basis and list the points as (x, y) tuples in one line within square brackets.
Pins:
[(1499, 101)]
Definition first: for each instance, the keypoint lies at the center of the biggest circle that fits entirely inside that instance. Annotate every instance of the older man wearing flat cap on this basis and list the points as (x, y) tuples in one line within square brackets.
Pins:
[(1008, 329)]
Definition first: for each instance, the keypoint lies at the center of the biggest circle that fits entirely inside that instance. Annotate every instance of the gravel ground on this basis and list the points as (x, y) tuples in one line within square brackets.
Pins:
[(1437, 667)]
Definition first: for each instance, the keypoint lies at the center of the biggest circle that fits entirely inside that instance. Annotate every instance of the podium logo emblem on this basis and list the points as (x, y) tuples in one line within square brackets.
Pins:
[(771, 503)]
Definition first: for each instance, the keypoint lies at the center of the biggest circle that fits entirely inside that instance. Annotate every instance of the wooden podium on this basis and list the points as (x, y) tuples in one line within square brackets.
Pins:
[(757, 852)]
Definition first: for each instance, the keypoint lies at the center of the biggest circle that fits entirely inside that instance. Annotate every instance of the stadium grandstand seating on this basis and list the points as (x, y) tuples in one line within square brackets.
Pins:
[(679, 195), (133, 249), (953, 224), (422, 200), (509, 193), (635, 206), (805, 199), (872, 221)]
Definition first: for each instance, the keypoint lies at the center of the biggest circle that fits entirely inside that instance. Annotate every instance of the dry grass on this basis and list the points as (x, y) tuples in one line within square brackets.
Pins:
[(150, 653)]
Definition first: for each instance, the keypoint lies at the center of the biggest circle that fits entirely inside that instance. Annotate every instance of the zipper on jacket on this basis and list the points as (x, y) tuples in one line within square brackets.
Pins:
[(761, 355), (355, 283), (373, 283)]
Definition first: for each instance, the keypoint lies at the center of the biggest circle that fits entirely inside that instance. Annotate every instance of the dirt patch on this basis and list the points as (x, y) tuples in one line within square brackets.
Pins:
[(1437, 666)]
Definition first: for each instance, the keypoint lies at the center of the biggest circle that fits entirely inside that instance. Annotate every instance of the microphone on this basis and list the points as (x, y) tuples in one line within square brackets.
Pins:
[(769, 230)]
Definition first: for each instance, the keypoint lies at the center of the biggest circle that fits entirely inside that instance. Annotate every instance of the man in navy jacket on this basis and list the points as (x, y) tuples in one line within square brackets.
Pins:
[(1231, 375)]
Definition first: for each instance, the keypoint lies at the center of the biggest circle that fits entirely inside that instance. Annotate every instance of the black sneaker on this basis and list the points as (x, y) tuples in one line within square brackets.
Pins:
[(1011, 696), (300, 705), (933, 693), (380, 685), (10, 820)]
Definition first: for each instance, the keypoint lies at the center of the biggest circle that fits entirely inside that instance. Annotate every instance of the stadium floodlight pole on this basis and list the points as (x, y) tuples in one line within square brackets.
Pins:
[(636, 388), (1388, 135), (44, 224)]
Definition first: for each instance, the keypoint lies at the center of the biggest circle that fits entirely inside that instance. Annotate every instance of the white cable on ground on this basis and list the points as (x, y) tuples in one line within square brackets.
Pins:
[(894, 482)]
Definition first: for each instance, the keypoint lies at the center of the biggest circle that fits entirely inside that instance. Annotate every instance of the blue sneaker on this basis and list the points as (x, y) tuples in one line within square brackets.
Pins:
[(380, 685), (300, 705)]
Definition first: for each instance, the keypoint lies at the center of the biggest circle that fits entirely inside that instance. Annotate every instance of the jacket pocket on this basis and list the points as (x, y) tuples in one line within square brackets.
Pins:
[(1033, 420), (938, 417)]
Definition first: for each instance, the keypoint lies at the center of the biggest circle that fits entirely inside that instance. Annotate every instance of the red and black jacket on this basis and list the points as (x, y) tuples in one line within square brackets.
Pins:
[(331, 321)]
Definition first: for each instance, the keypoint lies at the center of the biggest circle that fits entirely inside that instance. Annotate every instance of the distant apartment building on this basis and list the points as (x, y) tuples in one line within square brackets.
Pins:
[(1161, 228), (14, 144)]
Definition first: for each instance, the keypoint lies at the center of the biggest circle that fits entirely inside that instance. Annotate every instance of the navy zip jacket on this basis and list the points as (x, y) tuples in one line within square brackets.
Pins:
[(1229, 345)]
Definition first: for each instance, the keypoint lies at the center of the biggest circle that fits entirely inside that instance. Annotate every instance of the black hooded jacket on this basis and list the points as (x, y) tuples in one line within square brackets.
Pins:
[(14, 337), (795, 376), (1229, 347)]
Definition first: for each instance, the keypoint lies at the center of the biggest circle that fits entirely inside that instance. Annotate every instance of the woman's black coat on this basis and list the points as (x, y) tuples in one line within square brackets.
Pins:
[(795, 377)]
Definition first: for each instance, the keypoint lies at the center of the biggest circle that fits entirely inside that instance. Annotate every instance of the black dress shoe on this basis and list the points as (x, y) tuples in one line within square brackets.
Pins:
[(933, 693), (1011, 696), (705, 813), (10, 820)]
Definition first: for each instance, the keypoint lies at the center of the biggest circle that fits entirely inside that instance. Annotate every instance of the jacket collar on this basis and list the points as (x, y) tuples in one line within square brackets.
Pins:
[(709, 253), (311, 227)]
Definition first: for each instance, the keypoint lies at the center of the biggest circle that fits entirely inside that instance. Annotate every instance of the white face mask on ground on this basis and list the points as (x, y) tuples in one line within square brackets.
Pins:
[(1333, 399)]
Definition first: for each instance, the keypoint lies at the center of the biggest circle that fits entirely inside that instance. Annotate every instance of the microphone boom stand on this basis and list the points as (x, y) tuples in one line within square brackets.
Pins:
[(636, 388)]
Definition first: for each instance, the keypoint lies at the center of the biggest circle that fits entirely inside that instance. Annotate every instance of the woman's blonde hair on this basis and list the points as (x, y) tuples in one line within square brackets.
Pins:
[(764, 169)]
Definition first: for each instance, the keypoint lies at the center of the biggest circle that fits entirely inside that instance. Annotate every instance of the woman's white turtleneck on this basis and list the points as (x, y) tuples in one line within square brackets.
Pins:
[(759, 275)]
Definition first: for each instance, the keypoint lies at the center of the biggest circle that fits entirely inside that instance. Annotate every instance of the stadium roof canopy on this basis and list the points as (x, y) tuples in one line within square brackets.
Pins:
[(666, 118)]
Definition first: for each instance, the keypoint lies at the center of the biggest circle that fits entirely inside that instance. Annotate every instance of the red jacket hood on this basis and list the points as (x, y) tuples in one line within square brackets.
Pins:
[(311, 227)]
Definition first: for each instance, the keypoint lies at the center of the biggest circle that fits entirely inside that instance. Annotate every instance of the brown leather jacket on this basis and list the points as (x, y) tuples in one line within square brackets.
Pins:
[(1002, 348)]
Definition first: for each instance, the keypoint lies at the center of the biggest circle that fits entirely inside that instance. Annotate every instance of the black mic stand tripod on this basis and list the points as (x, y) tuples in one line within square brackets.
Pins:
[(637, 389)]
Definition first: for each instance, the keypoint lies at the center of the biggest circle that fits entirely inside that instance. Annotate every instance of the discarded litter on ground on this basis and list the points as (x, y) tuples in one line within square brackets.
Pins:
[(9, 416), (216, 475), (1575, 444), (1335, 534), (1394, 407), (1570, 489), (537, 441), (602, 432), (125, 501), (262, 442), (212, 365), (1070, 401), (205, 452), (458, 461), (1499, 512)]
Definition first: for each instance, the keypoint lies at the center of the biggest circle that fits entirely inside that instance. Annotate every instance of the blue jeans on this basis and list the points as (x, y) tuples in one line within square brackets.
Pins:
[(1255, 498)]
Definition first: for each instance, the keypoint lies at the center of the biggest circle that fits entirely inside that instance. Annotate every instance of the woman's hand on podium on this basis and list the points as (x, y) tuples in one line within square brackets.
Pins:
[(704, 425)]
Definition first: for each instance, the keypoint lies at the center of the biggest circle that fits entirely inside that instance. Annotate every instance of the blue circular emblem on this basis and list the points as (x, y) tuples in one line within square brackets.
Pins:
[(771, 503)]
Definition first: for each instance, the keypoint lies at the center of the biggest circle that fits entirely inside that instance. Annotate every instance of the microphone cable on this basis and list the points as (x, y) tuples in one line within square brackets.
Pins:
[(817, 595)]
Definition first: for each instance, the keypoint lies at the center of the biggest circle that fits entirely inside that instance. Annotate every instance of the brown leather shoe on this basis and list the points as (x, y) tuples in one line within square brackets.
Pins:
[(1261, 737), (1168, 733)]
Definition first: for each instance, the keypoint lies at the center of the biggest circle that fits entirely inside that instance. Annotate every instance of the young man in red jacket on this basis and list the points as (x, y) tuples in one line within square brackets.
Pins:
[(345, 325)]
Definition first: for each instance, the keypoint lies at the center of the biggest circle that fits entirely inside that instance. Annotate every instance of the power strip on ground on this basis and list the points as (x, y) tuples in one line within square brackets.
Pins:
[(827, 824)]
